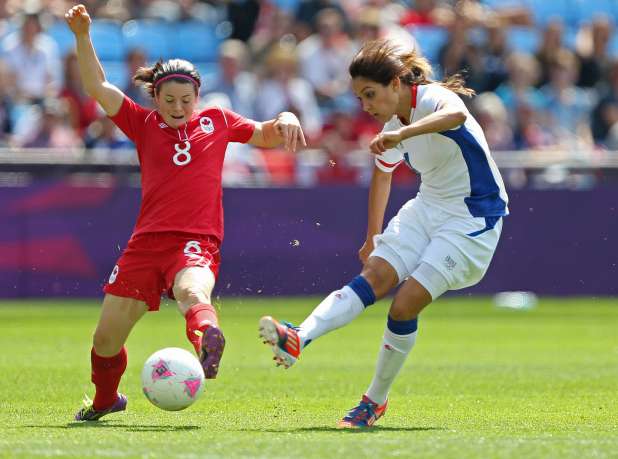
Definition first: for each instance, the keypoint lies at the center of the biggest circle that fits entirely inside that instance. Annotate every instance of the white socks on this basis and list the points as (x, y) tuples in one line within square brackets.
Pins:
[(336, 310), (395, 348)]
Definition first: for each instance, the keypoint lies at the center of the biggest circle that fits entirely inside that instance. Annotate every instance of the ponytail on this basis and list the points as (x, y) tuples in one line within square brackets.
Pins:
[(382, 61)]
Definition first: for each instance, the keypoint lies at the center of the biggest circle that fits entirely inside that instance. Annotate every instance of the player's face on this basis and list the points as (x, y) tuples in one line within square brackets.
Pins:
[(377, 100), (176, 102)]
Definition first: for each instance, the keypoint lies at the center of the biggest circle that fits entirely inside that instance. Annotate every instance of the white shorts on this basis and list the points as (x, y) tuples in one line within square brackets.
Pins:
[(423, 234)]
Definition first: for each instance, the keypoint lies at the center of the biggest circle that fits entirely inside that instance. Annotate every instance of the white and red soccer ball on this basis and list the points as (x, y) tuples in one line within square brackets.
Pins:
[(172, 379)]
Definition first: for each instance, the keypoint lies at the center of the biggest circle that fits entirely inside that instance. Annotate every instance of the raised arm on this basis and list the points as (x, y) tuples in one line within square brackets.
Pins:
[(285, 129), (379, 192), (447, 116), (92, 75)]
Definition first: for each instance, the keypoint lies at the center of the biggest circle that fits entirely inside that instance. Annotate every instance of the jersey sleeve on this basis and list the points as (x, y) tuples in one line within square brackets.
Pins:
[(435, 95), (389, 160), (130, 118), (240, 128)]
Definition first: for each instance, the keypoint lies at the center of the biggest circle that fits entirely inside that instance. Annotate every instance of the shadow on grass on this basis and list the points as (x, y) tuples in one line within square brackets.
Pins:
[(371, 430), (105, 425)]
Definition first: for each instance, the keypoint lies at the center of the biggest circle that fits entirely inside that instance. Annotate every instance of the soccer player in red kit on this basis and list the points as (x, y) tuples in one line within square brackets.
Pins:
[(174, 247)]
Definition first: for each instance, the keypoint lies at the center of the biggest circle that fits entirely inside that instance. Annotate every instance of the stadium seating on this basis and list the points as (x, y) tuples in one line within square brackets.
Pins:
[(523, 39), (107, 39), (545, 11), (289, 6), (116, 72), (63, 37), (613, 46), (430, 40), (587, 10), (195, 41), (208, 72), (151, 36)]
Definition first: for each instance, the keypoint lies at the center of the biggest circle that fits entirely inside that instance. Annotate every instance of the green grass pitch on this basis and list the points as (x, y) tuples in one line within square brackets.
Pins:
[(481, 382)]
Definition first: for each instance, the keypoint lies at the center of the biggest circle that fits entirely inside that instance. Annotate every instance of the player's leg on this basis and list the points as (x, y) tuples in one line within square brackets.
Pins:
[(339, 308), (388, 265), (424, 285), (457, 256), (190, 276), (109, 356), (192, 290)]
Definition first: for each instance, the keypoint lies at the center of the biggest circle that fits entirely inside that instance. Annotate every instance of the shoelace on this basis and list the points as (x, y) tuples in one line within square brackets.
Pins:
[(87, 409), (290, 325), (358, 413), (88, 404)]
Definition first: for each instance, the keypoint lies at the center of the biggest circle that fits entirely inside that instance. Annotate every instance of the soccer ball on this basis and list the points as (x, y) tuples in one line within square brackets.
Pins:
[(172, 379)]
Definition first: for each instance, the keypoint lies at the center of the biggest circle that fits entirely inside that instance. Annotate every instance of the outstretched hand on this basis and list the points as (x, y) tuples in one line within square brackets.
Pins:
[(383, 141), (78, 20), (288, 127)]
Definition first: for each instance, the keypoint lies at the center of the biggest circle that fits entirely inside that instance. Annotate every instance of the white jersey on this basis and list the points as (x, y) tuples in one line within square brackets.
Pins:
[(458, 174)]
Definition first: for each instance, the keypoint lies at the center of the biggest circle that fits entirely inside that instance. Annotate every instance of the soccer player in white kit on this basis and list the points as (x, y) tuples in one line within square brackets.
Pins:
[(443, 239)]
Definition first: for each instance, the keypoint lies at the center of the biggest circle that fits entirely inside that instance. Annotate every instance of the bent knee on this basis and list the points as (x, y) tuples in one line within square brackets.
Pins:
[(105, 344), (381, 276), (190, 295), (401, 312)]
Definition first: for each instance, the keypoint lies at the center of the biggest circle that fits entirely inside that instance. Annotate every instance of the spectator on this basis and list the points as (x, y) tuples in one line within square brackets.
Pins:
[(308, 12), (6, 107), (493, 58), (321, 56), (605, 114), (32, 57), (277, 28), (491, 114), (567, 106), (82, 109), (520, 87), (283, 90), (233, 80), (373, 23), (428, 12), (135, 59), (104, 135), (530, 131), (5, 17), (551, 43), (243, 15), (593, 55), (117, 10), (458, 55), (476, 14), (178, 10), (52, 130)]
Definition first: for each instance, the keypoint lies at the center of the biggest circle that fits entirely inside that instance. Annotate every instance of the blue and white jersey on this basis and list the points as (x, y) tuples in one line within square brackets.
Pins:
[(458, 174)]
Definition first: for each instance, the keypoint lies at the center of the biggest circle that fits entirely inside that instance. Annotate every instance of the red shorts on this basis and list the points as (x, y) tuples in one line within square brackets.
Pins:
[(149, 264)]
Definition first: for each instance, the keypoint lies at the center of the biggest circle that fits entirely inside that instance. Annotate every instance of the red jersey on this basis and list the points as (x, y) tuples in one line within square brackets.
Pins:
[(181, 168)]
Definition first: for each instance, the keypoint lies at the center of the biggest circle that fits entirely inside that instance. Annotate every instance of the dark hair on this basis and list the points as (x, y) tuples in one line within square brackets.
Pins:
[(149, 76), (382, 61)]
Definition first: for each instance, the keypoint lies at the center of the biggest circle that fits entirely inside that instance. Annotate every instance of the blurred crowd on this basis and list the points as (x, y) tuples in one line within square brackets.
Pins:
[(545, 73)]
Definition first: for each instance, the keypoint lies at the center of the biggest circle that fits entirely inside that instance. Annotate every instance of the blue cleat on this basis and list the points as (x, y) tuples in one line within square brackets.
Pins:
[(364, 415)]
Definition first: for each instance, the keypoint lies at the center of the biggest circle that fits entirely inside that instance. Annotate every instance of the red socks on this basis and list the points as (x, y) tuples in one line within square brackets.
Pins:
[(107, 371), (106, 374), (199, 317)]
